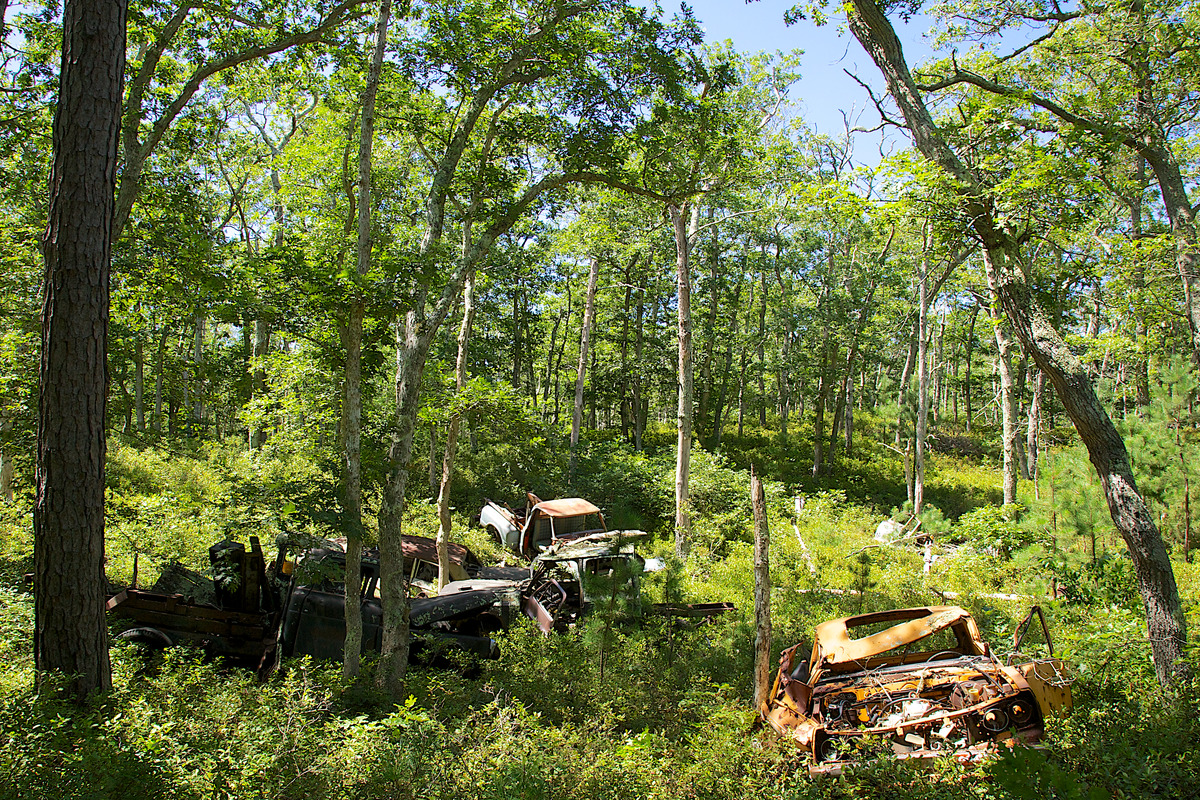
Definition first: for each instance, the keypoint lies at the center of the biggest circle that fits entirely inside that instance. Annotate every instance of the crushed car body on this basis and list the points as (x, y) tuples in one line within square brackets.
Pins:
[(920, 682)]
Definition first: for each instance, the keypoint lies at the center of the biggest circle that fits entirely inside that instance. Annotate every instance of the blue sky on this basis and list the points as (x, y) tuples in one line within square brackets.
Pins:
[(824, 90)]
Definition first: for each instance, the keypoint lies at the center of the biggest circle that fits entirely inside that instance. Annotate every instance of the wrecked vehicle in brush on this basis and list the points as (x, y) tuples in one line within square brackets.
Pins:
[(569, 578), (918, 682), (541, 524), (250, 611)]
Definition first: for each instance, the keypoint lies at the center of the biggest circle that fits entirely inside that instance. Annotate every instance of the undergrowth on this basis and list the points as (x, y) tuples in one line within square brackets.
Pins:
[(651, 710)]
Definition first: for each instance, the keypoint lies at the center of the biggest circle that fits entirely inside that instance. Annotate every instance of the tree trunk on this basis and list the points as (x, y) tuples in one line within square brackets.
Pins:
[(7, 473), (352, 482), (969, 356), (139, 382), (352, 412), (517, 344), (589, 312), (760, 352), (639, 420), (626, 404), (70, 630), (683, 221), (1005, 271), (719, 407), (762, 593), (1008, 404), (159, 359), (412, 350), (905, 377), (704, 407), (197, 410), (460, 380), (1034, 427), (922, 383), (262, 343), (849, 424)]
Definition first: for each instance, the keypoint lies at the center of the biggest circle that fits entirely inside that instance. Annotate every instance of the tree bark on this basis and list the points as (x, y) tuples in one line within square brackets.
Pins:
[(460, 380), (905, 377), (352, 411), (1006, 277), (760, 350), (258, 376), (139, 382), (1008, 402), (1034, 427), (719, 407), (589, 312), (922, 383), (198, 372), (7, 472), (70, 631), (704, 407), (683, 222), (639, 419), (762, 593), (970, 347)]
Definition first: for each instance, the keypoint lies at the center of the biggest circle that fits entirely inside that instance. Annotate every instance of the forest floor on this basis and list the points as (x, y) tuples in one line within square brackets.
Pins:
[(602, 711)]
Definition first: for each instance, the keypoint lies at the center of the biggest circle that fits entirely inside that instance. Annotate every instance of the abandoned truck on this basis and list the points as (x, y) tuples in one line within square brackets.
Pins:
[(250, 611), (541, 523), (569, 579), (921, 682)]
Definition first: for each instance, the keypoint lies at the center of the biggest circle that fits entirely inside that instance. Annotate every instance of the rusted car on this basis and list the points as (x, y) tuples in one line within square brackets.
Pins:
[(919, 682), (541, 524), (298, 608)]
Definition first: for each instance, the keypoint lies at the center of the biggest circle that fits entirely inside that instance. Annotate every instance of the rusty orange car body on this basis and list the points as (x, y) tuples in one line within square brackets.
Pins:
[(921, 682)]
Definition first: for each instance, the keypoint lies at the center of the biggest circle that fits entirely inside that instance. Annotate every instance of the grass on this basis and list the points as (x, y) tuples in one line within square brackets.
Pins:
[(642, 711)]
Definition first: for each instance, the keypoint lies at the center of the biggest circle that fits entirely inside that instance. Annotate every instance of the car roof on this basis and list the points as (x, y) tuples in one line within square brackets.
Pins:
[(566, 507)]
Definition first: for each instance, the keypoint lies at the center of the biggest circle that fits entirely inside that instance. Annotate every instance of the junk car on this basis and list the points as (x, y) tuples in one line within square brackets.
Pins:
[(541, 523), (300, 607), (920, 682)]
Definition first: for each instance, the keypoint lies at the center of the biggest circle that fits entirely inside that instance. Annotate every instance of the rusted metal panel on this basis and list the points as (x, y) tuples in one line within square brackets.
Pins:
[(566, 507), (913, 624)]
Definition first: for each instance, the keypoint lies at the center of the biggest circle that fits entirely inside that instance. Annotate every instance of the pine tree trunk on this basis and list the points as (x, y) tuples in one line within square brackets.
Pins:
[(70, 630)]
